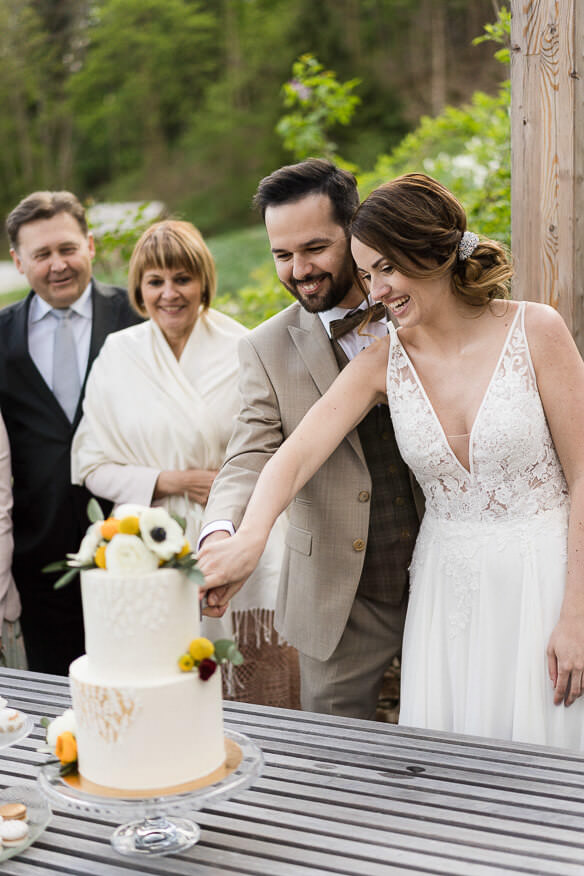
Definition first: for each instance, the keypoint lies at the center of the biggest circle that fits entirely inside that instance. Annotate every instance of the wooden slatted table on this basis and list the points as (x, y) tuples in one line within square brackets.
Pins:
[(336, 796)]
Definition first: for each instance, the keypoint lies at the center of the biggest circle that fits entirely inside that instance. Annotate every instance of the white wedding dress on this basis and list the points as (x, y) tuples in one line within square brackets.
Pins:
[(488, 571)]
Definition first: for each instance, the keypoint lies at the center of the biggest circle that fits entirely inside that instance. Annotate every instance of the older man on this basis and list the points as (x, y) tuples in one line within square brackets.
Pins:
[(47, 344), (343, 588)]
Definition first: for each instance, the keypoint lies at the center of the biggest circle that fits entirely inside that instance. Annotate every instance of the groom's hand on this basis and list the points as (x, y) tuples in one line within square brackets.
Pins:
[(217, 597)]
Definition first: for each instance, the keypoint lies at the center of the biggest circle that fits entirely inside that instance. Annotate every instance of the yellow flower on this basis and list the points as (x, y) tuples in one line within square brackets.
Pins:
[(66, 748), (201, 648), (186, 663), (110, 527), (186, 548), (99, 557), (130, 525)]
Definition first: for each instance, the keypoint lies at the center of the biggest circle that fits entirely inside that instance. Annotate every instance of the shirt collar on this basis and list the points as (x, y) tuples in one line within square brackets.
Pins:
[(82, 307), (327, 316)]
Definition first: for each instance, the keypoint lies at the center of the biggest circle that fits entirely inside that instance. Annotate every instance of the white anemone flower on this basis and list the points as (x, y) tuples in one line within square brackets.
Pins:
[(128, 510), (128, 555), (88, 547), (59, 725), (161, 533)]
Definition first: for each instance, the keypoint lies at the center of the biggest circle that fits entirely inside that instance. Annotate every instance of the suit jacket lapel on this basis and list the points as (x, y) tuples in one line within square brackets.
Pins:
[(19, 359), (315, 348)]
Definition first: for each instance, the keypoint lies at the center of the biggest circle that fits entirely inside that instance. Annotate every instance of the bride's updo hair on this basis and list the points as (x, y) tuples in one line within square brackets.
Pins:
[(416, 223)]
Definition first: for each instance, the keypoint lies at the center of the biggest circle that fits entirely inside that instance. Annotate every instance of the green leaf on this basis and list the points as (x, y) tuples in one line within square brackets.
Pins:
[(94, 511), (180, 520), (65, 579), (226, 650), (194, 574), (44, 722), (236, 657), (58, 566)]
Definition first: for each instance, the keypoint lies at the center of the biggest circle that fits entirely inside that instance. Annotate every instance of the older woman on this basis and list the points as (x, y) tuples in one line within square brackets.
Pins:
[(11, 644), (158, 412)]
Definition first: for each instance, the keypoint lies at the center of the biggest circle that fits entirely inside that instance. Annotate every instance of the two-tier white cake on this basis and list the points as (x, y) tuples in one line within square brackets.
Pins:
[(142, 724)]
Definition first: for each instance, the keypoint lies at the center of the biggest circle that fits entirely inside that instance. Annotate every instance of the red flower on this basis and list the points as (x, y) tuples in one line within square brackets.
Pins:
[(206, 668)]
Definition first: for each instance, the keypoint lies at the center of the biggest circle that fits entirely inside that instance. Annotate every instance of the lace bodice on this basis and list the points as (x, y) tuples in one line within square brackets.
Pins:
[(514, 470)]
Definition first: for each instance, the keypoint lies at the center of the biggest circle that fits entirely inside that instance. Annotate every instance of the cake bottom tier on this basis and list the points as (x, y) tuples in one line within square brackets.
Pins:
[(149, 735)]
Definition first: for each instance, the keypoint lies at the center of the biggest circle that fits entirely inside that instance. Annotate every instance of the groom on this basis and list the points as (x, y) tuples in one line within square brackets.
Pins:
[(343, 586)]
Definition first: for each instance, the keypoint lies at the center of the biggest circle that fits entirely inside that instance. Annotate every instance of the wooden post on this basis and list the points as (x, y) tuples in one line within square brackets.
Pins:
[(547, 147)]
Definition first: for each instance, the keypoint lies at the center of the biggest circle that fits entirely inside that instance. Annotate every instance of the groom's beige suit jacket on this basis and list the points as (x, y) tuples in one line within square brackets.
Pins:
[(287, 363)]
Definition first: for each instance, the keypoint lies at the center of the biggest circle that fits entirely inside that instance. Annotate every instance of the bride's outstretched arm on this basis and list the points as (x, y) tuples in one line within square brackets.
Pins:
[(227, 563), (560, 377)]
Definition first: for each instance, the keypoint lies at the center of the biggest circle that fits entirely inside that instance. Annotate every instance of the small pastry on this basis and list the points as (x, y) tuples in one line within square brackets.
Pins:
[(10, 720), (12, 833), (12, 812)]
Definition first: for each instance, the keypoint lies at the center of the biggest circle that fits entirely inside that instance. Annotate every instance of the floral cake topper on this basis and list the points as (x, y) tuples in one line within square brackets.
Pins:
[(136, 541)]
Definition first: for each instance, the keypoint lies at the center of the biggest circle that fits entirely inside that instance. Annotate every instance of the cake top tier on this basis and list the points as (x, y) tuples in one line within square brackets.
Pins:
[(136, 626)]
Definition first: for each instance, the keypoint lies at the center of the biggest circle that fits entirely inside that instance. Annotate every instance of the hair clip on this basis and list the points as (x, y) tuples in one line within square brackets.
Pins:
[(468, 243)]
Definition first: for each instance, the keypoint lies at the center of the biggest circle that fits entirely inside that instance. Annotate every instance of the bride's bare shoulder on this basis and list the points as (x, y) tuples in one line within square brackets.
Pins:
[(548, 335), (543, 320), (375, 355)]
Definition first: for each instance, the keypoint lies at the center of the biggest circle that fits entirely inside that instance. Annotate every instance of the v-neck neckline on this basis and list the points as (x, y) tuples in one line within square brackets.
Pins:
[(470, 470)]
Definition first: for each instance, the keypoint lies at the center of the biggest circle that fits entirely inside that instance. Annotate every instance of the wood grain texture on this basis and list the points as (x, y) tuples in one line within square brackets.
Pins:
[(337, 796), (547, 145)]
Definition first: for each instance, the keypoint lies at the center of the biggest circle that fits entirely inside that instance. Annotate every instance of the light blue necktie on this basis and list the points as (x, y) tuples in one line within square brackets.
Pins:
[(66, 383)]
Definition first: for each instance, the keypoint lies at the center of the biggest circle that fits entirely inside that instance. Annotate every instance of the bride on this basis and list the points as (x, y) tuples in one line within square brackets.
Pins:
[(487, 401)]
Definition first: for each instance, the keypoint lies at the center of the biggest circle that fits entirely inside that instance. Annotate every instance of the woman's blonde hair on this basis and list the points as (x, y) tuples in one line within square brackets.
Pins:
[(416, 223), (171, 244)]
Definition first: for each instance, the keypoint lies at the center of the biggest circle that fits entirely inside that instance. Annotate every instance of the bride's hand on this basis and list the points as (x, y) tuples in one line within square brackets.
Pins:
[(226, 564), (565, 654)]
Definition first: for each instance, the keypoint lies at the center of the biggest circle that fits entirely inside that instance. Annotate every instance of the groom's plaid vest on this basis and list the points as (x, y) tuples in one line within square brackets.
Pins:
[(393, 520)]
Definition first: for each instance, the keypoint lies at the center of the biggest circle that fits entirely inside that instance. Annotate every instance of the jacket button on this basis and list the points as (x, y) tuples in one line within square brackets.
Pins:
[(399, 500), (358, 544), (363, 496)]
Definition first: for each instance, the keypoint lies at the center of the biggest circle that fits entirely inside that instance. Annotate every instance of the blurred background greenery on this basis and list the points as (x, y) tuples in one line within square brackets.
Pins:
[(191, 102)]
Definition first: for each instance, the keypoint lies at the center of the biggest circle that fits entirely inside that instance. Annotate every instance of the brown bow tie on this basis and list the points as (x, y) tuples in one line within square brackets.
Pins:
[(340, 327)]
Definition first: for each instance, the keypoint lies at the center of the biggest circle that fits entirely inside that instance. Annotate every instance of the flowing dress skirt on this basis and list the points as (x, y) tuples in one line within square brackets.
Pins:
[(485, 597)]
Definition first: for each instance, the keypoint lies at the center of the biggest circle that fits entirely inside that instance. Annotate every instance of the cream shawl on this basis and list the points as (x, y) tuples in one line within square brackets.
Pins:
[(142, 407)]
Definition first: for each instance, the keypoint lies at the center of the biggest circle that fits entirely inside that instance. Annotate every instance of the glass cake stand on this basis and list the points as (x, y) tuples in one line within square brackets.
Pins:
[(157, 831)]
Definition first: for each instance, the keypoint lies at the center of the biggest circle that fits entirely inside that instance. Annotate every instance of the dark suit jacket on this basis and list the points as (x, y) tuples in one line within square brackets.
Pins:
[(49, 514)]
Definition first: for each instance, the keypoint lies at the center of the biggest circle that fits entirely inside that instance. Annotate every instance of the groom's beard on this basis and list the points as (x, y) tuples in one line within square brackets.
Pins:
[(334, 288)]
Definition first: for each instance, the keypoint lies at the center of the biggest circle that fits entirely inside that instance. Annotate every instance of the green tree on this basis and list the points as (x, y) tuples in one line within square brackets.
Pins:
[(145, 71), (468, 148), (318, 103)]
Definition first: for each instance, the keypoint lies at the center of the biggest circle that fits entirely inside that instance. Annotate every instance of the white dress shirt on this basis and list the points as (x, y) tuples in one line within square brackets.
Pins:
[(41, 334), (353, 342)]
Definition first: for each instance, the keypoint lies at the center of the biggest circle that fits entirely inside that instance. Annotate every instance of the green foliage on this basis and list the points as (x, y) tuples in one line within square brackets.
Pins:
[(318, 103), (498, 32), (467, 148), (114, 246), (94, 511), (261, 298), (148, 63), (226, 651)]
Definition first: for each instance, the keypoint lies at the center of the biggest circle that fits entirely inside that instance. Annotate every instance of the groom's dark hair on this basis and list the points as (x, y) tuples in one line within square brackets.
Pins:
[(314, 176)]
